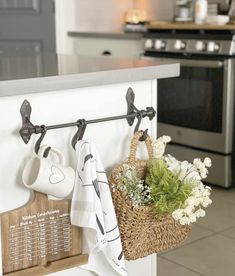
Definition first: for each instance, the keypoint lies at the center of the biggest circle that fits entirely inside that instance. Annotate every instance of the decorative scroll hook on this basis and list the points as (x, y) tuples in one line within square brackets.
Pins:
[(130, 98), (27, 127)]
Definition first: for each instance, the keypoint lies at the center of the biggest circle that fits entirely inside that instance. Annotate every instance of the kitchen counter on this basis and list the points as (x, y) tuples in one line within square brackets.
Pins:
[(112, 35), (63, 89), (58, 72), (165, 25)]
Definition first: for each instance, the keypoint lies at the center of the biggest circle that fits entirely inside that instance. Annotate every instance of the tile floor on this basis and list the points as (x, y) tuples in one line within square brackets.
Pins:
[(210, 249)]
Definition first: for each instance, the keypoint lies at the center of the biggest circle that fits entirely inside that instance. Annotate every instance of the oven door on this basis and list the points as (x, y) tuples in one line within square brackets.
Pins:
[(196, 109)]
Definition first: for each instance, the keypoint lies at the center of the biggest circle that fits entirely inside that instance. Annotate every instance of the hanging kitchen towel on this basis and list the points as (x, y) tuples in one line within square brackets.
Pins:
[(92, 209)]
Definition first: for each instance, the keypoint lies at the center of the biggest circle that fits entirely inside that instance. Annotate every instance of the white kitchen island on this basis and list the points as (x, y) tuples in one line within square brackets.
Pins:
[(68, 89)]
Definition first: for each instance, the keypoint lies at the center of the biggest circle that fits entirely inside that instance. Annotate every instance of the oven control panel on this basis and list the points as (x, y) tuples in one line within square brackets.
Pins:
[(160, 44), (180, 45), (209, 47), (213, 47), (200, 46)]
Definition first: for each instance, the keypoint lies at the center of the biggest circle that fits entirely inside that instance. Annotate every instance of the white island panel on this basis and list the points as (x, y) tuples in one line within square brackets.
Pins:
[(112, 138)]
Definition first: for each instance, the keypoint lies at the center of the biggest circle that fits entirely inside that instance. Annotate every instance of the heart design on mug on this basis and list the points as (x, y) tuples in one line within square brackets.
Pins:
[(56, 176)]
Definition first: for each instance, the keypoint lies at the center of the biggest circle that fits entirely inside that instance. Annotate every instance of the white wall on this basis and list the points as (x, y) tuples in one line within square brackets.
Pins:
[(157, 9), (102, 16)]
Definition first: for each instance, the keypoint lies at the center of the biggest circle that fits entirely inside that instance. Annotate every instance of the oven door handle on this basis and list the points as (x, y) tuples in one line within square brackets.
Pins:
[(189, 62), (201, 63)]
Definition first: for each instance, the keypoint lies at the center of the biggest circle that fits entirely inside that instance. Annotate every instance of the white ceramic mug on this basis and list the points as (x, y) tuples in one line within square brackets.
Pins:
[(46, 176)]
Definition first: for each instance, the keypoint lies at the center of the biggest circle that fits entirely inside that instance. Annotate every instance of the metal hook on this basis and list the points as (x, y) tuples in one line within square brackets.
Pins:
[(145, 132), (39, 141), (140, 116), (144, 136), (80, 132)]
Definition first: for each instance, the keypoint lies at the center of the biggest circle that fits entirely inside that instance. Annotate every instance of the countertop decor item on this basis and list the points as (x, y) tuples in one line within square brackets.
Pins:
[(200, 10), (45, 175), (183, 11), (39, 239), (141, 233), (167, 25), (217, 19)]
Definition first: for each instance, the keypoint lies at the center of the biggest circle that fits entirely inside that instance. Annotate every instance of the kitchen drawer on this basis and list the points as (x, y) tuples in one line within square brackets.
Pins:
[(103, 46)]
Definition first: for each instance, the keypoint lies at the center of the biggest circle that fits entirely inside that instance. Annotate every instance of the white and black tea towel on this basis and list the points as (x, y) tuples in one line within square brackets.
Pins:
[(92, 209)]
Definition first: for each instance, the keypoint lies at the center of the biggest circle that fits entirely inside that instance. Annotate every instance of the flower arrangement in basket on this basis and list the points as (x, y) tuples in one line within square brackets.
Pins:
[(157, 200)]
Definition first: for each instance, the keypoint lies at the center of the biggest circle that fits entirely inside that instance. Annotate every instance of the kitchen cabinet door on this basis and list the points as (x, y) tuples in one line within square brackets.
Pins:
[(88, 46)]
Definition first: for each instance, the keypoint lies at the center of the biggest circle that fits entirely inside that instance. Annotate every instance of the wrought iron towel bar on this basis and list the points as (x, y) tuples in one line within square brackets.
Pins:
[(28, 128)]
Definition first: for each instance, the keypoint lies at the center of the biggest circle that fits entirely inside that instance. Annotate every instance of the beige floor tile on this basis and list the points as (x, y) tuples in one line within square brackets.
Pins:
[(220, 215), (226, 194), (229, 233), (167, 268), (212, 256), (197, 233)]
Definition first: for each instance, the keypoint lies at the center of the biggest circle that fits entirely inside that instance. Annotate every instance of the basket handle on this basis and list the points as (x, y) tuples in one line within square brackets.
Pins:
[(134, 144)]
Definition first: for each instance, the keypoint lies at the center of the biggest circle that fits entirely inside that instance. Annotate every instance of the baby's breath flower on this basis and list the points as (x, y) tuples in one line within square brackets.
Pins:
[(134, 187)]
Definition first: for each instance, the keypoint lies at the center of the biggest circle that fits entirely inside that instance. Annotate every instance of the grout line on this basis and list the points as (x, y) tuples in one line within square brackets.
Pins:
[(218, 232), (205, 228), (199, 239), (189, 243), (222, 232), (183, 266)]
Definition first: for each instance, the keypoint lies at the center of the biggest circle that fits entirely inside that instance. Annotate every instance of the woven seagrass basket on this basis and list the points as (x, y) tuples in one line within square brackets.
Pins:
[(141, 233)]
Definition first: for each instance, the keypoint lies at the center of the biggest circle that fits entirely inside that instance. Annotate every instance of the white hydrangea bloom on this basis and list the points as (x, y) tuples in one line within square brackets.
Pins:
[(207, 162), (189, 209), (206, 202), (184, 220), (192, 218), (173, 164), (206, 192), (197, 163), (200, 213), (159, 146), (159, 149), (166, 139), (190, 201), (198, 199), (177, 214)]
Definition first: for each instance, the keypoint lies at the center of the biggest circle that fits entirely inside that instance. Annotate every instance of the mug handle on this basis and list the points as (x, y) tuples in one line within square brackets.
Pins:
[(58, 153)]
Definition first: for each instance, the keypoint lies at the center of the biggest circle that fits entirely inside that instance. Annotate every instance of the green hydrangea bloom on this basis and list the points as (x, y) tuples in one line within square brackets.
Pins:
[(167, 192)]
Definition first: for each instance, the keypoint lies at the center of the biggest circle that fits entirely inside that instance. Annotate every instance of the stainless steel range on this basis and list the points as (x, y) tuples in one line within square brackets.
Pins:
[(196, 109)]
